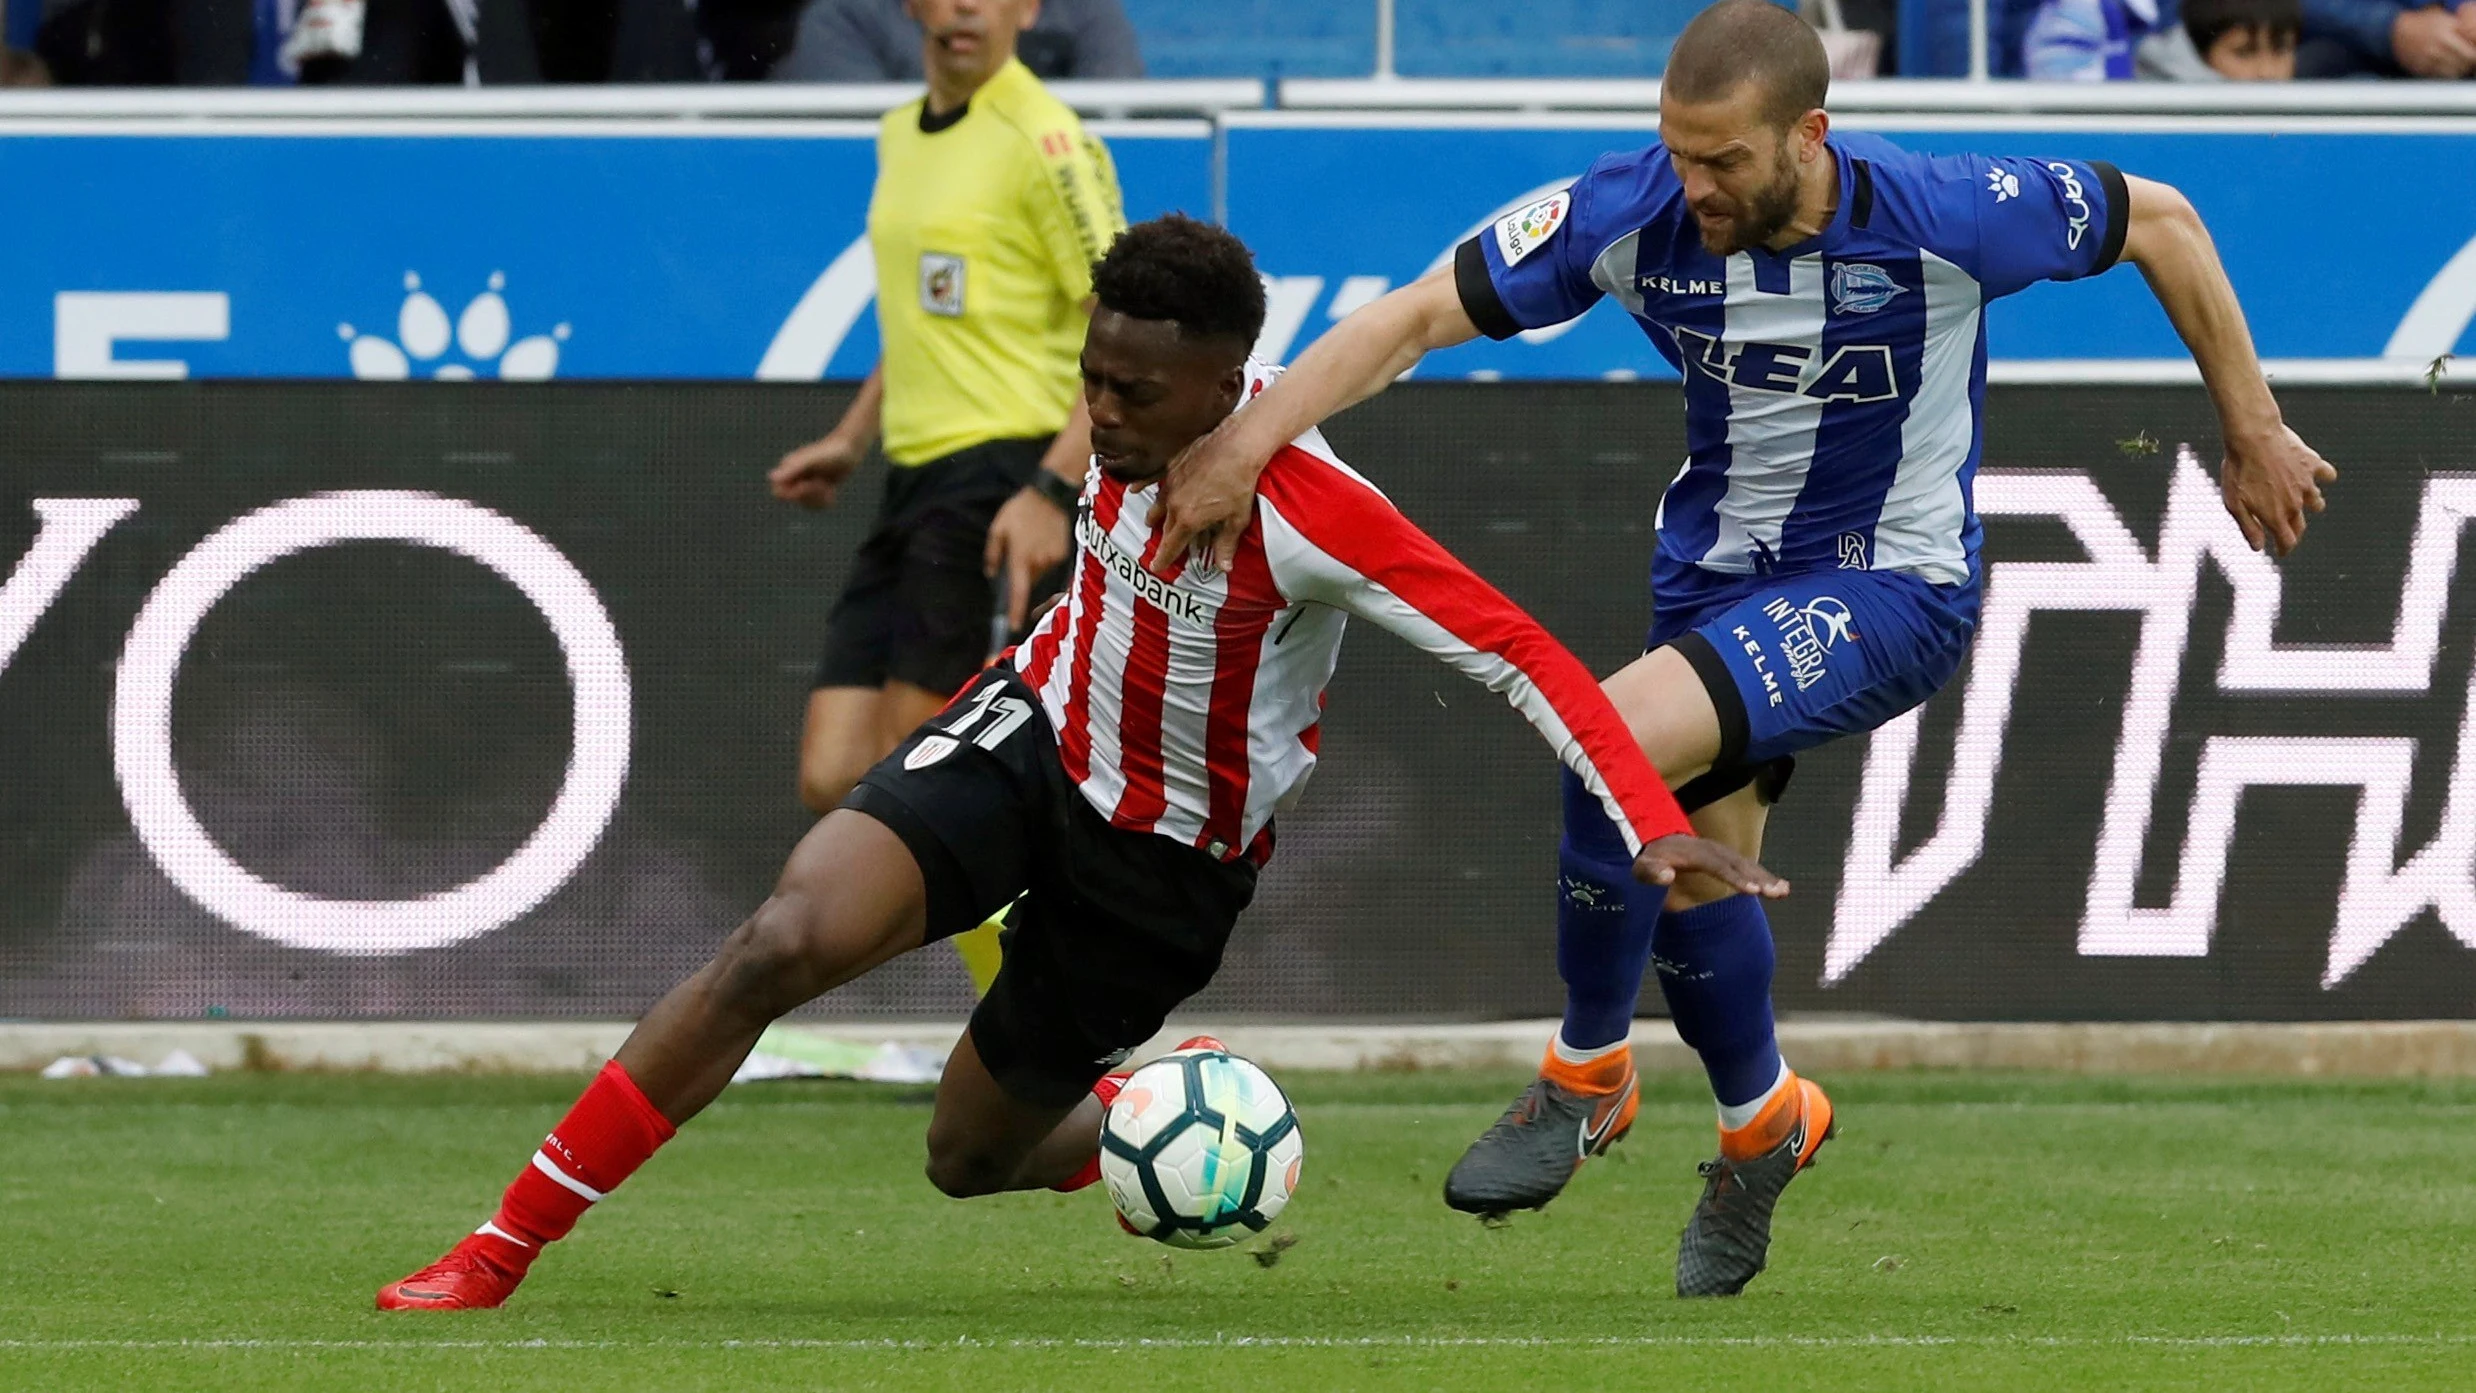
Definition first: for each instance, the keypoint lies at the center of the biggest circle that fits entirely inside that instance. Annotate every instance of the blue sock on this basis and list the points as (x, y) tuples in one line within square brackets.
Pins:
[(1604, 922), (1714, 964)]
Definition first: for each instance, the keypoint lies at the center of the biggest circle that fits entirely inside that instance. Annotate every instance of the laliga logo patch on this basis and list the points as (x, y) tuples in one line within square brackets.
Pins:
[(1859, 287), (1520, 232), (931, 750)]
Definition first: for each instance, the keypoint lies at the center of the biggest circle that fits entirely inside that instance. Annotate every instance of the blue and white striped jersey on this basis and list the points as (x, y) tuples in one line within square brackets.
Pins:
[(1833, 390)]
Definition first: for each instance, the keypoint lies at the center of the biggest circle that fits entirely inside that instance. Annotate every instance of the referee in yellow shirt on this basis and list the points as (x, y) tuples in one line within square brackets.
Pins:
[(991, 206)]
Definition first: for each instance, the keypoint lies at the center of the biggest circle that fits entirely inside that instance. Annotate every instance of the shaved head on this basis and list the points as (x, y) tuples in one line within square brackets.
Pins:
[(1736, 42)]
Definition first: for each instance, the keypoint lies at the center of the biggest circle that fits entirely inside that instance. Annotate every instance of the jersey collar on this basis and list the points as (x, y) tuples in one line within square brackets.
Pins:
[(1840, 214), (1013, 72)]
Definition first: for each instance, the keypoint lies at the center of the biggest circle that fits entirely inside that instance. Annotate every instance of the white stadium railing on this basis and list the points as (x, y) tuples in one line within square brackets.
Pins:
[(646, 101), (1222, 96), (1927, 96)]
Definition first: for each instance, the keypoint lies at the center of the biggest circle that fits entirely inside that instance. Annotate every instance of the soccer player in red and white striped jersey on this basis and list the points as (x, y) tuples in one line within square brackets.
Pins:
[(1116, 777), (1192, 707)]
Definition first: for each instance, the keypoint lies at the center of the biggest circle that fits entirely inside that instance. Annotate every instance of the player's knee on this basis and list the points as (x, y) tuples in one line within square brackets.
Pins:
[(963, 1171), (771, 963)]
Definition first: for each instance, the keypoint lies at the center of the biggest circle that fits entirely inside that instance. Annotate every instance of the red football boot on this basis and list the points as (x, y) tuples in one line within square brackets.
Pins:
[(1203, 1042), (477, 1274)]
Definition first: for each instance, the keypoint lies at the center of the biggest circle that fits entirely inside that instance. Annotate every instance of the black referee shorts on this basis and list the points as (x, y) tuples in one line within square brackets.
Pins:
[(917, 606), (1114, 928)]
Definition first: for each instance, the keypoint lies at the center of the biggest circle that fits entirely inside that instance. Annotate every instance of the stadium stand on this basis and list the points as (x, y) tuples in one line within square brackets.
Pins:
[(1554, 38), (128, 43), (1255, 38), (1434, 38)]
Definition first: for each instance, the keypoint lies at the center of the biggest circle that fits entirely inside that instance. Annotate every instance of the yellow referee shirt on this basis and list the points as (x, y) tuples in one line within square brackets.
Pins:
[(984, 232)]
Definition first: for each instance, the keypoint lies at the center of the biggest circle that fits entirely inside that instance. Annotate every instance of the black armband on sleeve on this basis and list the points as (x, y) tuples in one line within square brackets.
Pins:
[(2118, 215), (1479, 298)]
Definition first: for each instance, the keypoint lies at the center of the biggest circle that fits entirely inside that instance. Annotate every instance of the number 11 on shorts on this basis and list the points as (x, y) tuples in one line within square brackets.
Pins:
[(1004, 715)]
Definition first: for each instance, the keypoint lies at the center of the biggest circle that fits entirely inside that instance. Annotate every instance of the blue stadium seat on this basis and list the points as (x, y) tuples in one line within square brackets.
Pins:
[(1256, 38), (1538, 38)]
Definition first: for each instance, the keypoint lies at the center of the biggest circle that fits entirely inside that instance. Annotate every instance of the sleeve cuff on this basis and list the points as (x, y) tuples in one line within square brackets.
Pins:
[(2118, 215), (1478, 293)]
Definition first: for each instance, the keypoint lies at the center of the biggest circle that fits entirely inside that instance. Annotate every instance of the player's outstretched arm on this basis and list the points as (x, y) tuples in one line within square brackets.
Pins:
[(2270, 477), (1331, 539), (1666, 858), (1211, 484)]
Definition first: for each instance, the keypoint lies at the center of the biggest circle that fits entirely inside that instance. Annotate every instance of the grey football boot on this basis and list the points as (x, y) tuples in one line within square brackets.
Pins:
[(1728, 1238), (1526, 1159)]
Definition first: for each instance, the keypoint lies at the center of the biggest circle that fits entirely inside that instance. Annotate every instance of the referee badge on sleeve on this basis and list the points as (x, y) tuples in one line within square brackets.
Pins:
[(941, 284)]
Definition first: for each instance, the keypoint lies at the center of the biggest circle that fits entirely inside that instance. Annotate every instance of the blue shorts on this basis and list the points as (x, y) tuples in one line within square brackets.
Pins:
[(1794, 660)]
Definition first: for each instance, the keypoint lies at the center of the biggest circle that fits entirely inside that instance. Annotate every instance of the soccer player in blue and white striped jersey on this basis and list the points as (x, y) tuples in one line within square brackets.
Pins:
[(1817, 573)]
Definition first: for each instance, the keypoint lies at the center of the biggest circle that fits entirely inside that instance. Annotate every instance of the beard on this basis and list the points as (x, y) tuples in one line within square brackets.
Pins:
[(1771, 208)]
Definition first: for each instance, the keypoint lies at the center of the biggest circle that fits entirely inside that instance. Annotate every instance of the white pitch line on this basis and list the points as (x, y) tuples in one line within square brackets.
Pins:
[(1442, 1342)]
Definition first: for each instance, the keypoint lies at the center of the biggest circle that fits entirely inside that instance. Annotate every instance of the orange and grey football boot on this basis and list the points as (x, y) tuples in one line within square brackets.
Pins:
[(1728, 1239), (1569, 1114)]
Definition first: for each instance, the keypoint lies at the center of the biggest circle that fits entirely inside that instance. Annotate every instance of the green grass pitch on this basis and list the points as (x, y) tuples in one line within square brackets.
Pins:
[(1964, 1232)]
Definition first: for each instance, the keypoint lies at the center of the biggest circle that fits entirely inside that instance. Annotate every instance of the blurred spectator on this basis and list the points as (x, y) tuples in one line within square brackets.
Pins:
[(2386, 38), (2087, 40), (365, 43), (879, 41), (21, 68), (2230, 40)]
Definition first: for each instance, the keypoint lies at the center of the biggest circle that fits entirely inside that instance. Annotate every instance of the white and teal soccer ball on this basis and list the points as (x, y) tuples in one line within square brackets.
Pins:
[(1200, 1150)]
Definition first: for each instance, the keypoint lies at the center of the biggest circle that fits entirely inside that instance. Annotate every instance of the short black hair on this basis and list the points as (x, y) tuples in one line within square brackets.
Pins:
[(1195, 275), (2208, 21), (1740, 41)]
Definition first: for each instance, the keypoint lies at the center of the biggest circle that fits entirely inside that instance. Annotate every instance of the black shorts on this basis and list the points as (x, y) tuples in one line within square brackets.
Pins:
[(1114, 928), (917, 607)]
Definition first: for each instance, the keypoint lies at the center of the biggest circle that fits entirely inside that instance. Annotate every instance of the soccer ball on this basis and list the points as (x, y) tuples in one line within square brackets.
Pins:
[(1200, 1149)]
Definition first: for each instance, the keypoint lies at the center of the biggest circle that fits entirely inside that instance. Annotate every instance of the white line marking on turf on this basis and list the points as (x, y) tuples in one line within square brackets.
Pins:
[(1441, 1342)]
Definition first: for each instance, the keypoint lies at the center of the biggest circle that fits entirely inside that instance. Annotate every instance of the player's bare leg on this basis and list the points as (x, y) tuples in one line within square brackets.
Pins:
[(848, 730), (982, 1140), (850, 898), (838, 743), (902, 708)]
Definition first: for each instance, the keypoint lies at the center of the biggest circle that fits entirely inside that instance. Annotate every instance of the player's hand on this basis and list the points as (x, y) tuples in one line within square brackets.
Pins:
[(1027, 537), (1206, 499), (812, 474), (1662, 861), (2269, 484), (2432, 42)]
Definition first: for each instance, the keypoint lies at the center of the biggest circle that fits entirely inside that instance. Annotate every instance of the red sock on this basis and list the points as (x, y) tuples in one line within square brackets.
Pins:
[(603, 1139), (1106, 1090)]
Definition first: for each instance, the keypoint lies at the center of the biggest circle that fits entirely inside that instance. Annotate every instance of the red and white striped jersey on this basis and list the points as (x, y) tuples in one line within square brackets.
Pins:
[(1191, 707)]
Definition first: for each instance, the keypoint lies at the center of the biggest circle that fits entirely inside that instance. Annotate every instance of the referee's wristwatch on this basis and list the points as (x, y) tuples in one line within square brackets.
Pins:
[(1048, 485)]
